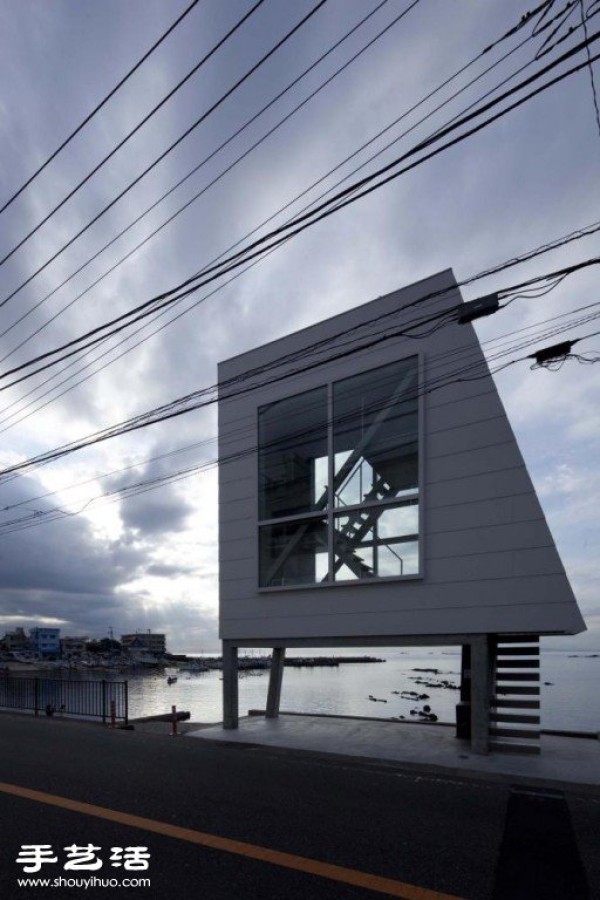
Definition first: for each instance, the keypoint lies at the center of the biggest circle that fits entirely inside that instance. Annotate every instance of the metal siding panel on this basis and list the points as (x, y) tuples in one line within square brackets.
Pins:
[(476, 500)]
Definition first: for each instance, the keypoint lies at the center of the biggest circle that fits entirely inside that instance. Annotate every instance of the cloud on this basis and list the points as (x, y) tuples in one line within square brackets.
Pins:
[(85, 584), (151, 557), (151, 512)]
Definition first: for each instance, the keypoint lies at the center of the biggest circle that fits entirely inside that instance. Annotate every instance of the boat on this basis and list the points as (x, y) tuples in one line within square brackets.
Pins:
[(171, 679)]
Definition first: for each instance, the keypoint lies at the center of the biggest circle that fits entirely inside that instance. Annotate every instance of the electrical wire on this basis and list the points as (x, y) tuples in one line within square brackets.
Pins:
[(551, 245), (99, 105), (358, 190), (169, 149), (575, 235), (215, 180), (521, 24), (196, 168), (197, 400), (150, 483), (591, 70), (133, 132), (562, 16), (147, 484)]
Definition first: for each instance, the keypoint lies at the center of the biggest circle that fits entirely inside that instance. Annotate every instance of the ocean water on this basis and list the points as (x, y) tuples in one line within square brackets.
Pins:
[(570, 701)]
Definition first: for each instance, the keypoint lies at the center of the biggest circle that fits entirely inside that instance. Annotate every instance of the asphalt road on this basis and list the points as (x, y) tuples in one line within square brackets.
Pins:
[(473, 839)]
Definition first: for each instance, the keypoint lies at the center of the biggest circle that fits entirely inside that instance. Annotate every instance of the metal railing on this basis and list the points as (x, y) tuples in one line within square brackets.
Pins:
[(76, 698)]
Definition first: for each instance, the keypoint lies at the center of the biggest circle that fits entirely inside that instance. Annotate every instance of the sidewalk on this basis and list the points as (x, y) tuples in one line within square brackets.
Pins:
[(568, 760)]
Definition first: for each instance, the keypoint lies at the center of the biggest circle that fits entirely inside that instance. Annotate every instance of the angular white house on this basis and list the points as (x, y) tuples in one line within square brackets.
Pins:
[(372, 493)]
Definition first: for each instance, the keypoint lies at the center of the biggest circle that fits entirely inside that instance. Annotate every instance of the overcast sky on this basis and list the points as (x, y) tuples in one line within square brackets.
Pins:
[(150, 561)]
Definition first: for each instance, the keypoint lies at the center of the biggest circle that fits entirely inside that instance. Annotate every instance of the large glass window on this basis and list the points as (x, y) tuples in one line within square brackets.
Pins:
[(375, 431), (292, 440), (362, 521)]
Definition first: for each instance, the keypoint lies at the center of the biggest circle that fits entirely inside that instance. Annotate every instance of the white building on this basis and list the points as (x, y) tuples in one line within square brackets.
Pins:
[(372, 493), (74, 646), (147, 641)]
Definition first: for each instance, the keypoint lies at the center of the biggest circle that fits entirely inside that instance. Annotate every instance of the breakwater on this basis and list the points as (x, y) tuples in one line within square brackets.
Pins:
[(299, 662), (206, 663)]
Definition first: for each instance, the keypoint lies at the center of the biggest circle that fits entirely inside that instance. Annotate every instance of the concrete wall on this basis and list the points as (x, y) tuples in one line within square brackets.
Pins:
[(489, 561)]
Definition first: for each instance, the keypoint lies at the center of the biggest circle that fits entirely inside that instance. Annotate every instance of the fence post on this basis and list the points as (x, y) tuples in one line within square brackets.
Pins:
[(36, 695), (126, 700), (113, 714), (173, 721), (103, 702)]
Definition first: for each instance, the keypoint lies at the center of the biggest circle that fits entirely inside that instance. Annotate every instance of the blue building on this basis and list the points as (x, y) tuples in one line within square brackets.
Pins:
[(45, 641)]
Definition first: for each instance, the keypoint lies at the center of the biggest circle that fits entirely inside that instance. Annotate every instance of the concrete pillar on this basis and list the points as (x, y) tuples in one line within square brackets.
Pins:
[(275, 679), (465, 674), (481, 690), (230, 686)]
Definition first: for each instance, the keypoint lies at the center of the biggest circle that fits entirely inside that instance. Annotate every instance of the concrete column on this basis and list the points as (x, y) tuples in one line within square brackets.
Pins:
[(230, 686), (275, 679), (481, 689)]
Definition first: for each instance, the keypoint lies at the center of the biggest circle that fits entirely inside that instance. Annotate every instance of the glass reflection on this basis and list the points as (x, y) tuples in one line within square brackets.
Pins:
[(293, 553), (292, 436), (375, 434), (376, 542)]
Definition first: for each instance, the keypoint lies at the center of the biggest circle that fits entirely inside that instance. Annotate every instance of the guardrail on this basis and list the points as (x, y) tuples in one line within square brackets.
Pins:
[(77, 698)]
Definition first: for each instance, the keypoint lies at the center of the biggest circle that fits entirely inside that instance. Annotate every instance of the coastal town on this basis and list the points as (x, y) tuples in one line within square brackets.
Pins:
[(43, 648)]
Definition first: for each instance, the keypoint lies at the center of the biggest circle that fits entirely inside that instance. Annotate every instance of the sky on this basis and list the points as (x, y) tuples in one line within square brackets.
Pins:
[(87, 563)]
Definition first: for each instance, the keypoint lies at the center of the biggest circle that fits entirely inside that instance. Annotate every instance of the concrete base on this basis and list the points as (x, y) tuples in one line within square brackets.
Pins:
[(563, 759)]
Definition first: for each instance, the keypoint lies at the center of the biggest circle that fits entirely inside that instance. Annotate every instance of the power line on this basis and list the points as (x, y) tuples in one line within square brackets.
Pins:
[(458, 376), (99, 106), (434, 384), (528, 255), (592, 82), (340, 200), (96, 359), (133, 131), (101, 337), (257, 143), (240, 431), (486, 273), (199, 166), (197, 400), (573, 236), (516, 28), (562, 17), (169, 149)]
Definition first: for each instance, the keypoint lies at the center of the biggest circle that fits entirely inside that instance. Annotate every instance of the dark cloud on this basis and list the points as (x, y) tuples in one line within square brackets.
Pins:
[(161, 570), (152, 512), (62, 571)]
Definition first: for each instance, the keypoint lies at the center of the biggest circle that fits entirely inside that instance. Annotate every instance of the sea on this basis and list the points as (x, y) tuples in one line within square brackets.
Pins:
[(570, 695), (398, 686)]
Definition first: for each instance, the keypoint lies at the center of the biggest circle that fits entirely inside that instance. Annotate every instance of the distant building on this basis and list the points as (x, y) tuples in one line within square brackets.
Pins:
[(147, 641), (45, 640), (73, 646), (16, 640)]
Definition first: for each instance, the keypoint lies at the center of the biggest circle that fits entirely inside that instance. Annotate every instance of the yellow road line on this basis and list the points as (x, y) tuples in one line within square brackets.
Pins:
[(388, 886)]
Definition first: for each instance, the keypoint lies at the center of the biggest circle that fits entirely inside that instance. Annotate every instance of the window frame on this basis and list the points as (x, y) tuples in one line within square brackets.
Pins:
[(332, 511)]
